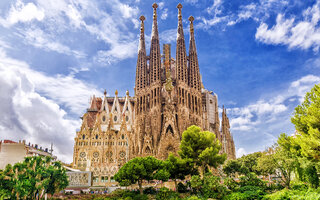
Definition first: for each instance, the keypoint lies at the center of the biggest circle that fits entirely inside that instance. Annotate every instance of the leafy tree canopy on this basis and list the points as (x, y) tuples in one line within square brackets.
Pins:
[(139, 169), (34, 176), (307, 123), (202, 147)]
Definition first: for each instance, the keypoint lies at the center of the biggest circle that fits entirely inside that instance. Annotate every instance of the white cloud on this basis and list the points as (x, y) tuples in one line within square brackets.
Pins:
[(67, 91), (259, 11), (164, 14), (31, 116), (39, 39), (303, 34), (117, 52), (23, 13), (191, 1), (63, 17), (266, 111), (240, 152)]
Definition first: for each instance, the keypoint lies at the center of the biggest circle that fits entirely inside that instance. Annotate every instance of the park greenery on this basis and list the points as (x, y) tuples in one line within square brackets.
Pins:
[(287, 170), (32, 178)]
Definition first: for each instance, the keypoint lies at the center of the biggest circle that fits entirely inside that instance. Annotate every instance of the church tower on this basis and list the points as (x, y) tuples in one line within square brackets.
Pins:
[(168, 98), (166, 106)]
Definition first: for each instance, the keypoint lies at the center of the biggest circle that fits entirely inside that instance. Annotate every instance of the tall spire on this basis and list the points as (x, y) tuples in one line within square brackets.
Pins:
[(155, 57), (194, 73), (141, 71), (181, 55)]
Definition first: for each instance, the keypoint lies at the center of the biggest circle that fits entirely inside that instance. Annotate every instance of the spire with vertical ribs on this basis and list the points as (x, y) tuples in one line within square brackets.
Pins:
[(155, 57), (194, 73), (141, 72), (181, 55)]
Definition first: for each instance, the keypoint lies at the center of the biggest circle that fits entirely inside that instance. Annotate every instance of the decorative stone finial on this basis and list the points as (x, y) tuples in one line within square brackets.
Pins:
[(154, 5), (127, 92), (179, 6), (142, 18), (191, 18), (116, 93), (105, 92)]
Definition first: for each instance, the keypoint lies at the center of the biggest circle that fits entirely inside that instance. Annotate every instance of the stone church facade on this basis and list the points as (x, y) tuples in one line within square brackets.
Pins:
[(169, 97)]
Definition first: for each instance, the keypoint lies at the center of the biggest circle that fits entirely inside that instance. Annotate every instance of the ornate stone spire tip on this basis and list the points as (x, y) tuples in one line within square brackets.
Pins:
[(127, 92), (154, 5), (191, 18), (116, 93), (105, 92), (142, 18), (179, 6)]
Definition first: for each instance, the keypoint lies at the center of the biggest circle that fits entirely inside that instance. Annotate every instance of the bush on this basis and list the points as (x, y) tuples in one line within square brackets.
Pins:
[(193, 198), (128, 195), (253, 180), (149, 190), (285, 194), (235, 196), (182, 188), (165, 193), (231, 184), (300, 186), (196, 183)]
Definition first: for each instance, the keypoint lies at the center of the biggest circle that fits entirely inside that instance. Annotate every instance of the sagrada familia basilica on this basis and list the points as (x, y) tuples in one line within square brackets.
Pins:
[(169, 97)]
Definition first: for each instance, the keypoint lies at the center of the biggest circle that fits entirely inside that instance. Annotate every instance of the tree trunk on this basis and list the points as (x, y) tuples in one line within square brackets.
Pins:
[(140, 186), (175, 185)]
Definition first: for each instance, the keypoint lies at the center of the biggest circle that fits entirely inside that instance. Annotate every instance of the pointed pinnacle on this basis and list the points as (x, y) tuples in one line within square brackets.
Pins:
[(179, 6), (105, 92), (142, 18), (154, 5), (191, 18)]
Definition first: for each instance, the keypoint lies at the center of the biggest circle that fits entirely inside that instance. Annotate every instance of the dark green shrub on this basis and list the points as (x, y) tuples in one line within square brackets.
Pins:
[(182, 188), (149, 190), (231, 184), (280, 195), (253, 180), (165, 193), (300, 186), (312, 176), (193, 198), (274, 187), (235, 196)]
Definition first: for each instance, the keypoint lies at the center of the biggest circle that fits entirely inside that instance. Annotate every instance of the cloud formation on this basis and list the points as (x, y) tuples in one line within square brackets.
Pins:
[(294, 33), (31, 102)]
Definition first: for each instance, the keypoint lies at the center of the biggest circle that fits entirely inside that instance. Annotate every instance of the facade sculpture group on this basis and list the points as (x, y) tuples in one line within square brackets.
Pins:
[(169, 97)]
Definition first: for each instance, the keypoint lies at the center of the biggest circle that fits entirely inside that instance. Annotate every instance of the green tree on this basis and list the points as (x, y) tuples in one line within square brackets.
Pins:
[(178, 168), (307, 123), (231, 167), (162, 175), (32, 178), (280, 160), (249, 163), (137, 170), (202, 147)]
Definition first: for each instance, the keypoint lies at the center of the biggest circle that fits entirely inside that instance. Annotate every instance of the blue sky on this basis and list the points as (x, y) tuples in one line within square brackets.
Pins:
[(259, 57)]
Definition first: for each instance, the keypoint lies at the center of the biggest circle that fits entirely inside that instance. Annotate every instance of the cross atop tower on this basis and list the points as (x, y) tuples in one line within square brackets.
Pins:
[(154, 6), (179, 6)]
